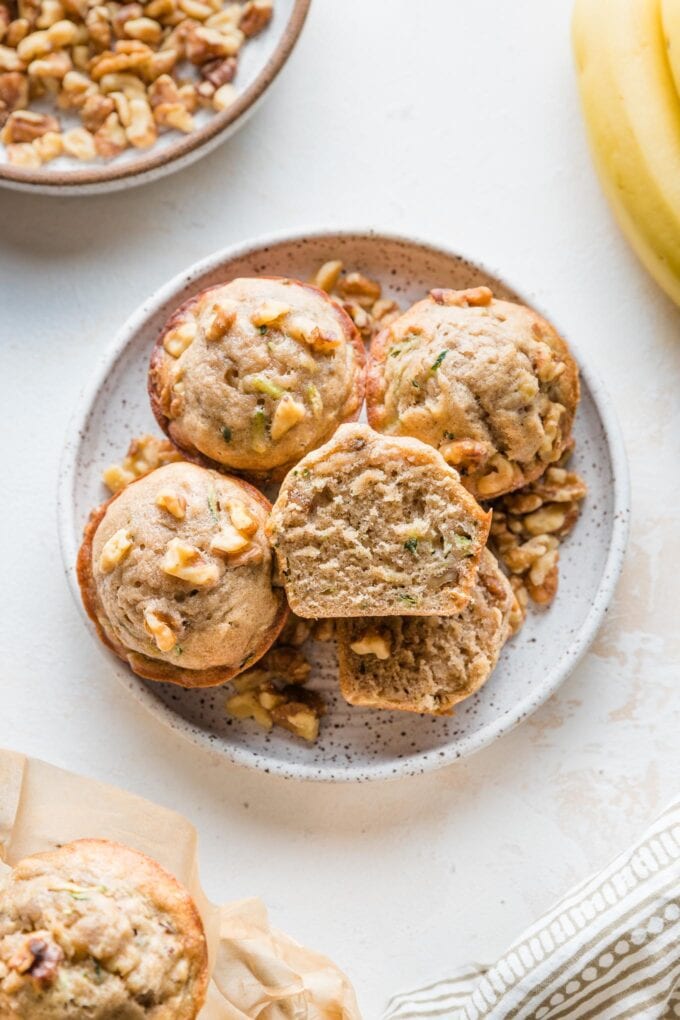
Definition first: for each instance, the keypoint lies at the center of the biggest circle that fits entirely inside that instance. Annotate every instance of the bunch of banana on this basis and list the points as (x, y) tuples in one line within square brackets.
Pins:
[(628, 60)]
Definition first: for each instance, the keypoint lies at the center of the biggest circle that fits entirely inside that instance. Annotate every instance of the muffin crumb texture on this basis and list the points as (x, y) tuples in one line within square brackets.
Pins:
[(428, 664), (369, 523), (94, 929)]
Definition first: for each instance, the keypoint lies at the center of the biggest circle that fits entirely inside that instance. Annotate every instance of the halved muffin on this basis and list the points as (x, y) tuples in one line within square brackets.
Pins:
[(176, 573), (374, 525), (488, 383), (252, 375), (427, 664), (95, 929)]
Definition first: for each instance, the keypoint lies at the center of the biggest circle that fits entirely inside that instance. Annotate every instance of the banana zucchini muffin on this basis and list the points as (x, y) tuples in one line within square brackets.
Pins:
[(427, 664), (176, 573), (254, 374), (97, 930), (375, 525), (488, 383)]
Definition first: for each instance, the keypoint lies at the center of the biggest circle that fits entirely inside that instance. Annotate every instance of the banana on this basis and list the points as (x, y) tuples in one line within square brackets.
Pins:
[(632, 113), (670, 20)]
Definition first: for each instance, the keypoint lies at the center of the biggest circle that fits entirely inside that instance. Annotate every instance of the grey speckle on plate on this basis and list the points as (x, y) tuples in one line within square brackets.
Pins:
[(359, 744)]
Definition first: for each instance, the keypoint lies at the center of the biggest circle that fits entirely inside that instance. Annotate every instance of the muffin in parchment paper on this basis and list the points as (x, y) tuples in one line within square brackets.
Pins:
[(488, 383), (96, 930), (252, 375), (177, 574)]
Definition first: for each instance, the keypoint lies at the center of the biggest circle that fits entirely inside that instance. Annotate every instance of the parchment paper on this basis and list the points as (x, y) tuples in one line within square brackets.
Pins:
[(257, 972)]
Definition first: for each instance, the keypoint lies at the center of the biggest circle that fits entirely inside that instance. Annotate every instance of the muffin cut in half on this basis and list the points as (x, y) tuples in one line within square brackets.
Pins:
[(97, 930), (176, 573), (488, 383), (252, 375), (374, 525), (427, 664)]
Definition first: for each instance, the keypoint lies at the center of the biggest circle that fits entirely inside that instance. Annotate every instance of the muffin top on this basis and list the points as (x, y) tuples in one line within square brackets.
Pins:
[(427, 664), (489, 383), (253, 374), (177, 573), (95, 929)]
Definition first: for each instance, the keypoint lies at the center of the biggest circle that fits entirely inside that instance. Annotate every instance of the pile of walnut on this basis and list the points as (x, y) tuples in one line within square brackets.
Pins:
[(360, 296), (128, 70), (527, 527), (272, 692)]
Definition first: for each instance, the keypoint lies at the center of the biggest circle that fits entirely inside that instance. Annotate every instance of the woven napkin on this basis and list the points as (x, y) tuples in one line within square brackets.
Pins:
[(609, 950)]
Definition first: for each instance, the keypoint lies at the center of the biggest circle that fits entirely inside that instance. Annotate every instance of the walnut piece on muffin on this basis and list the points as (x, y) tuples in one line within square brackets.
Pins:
[(176, 573), (427, 664), (488, 383), (252, 375), (95, 929), (371, 524)]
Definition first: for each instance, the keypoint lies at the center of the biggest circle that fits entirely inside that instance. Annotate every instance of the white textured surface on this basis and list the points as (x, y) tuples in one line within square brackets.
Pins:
[(457, 122)]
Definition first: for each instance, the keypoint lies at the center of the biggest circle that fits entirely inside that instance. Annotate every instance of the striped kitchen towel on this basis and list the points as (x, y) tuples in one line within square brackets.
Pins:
[(609, 950)]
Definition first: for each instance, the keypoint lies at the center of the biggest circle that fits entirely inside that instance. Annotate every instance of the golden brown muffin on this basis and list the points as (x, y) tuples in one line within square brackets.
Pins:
[(252, 375), (488, 383), (176, 573), (427, 664), (97, 930), (376, 525)]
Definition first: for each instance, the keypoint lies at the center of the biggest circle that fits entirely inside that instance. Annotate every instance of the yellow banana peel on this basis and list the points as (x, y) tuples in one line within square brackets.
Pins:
[(632, 112), (670, 21)]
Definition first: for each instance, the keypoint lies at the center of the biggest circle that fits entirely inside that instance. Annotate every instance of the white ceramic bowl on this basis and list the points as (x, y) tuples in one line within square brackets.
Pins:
[(359, 744), (260, 61)]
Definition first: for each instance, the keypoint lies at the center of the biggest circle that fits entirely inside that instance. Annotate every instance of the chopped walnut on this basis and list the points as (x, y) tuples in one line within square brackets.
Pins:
[(81, 52), (527, 527), (187, 563), (115, 550), (25, 126), (323, 630), (359, 288), (360, 297), (256, 15), (38, 958), (291, 707), (228, 541), (372, 643), (271, 693), (144, 454), (295, 631)]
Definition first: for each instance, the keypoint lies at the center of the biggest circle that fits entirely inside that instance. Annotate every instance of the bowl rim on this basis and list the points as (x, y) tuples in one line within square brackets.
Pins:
[(157, 159), (419, 761)]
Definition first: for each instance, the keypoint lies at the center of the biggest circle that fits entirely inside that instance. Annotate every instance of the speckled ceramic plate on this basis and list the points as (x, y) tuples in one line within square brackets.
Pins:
[(260, 61), (359, 744)]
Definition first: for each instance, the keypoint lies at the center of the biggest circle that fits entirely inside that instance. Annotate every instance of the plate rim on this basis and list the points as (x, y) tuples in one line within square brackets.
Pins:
[(159, 162), (418, 762)]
